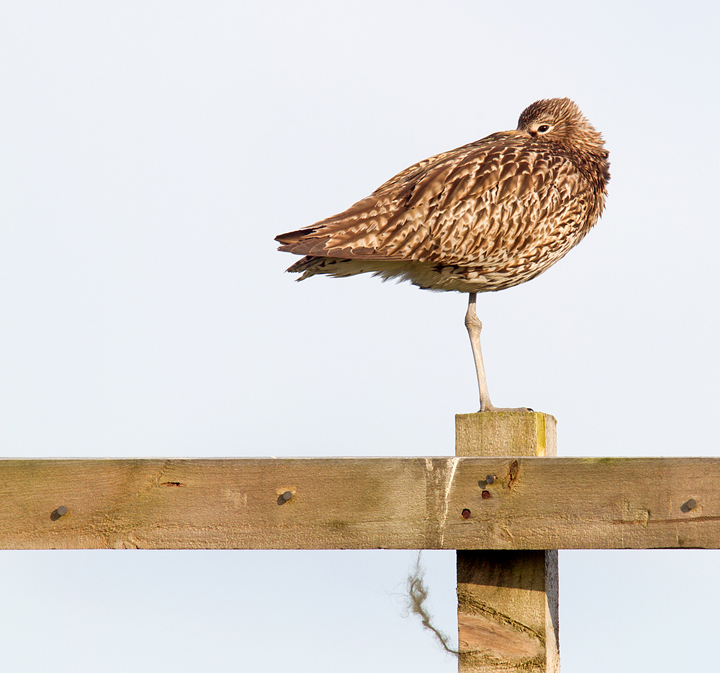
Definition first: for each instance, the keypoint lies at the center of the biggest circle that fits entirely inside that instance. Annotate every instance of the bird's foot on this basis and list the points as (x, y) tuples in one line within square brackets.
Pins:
[(491, 408)]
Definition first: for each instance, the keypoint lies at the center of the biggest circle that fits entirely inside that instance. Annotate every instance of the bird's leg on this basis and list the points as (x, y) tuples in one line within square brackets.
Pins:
[(474, 326)]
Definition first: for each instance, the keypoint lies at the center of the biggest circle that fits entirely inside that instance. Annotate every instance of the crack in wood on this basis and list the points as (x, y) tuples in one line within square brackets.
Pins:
[(452, 464), (685, 521), (473, 606)]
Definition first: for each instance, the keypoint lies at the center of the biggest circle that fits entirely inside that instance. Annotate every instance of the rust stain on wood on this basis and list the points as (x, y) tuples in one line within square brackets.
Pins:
[(513, 473)]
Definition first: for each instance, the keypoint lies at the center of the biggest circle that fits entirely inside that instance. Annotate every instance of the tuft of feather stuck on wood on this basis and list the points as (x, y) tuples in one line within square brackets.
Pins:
[(417, 594)]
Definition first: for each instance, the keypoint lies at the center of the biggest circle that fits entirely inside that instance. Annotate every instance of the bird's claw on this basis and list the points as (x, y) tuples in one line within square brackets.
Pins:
[(490, 408)]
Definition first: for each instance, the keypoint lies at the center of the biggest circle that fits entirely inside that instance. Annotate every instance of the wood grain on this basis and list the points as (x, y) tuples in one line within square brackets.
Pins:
[(361, 503), (507, 599)]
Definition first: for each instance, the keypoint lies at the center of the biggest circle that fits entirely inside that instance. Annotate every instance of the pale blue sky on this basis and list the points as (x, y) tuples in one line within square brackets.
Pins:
[(149, 153)]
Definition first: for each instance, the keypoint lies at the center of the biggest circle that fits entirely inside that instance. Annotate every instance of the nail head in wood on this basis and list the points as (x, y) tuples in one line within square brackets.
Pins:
[(688, 506)]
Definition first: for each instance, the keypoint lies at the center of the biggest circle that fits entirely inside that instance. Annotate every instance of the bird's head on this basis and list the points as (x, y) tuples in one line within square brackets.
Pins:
[(559, 120)]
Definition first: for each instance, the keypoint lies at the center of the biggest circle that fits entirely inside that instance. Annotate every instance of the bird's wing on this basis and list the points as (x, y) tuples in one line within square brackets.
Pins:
[(461, 207), (380, 205)]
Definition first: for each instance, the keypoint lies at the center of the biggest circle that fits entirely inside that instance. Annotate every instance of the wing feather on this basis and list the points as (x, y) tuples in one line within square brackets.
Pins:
[(464, 207)]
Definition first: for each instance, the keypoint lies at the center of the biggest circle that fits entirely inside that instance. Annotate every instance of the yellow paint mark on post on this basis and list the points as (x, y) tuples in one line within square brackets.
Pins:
[(540, 434)]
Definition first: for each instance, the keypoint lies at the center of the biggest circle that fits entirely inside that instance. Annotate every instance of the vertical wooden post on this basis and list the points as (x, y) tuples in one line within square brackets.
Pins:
[(507, 600)]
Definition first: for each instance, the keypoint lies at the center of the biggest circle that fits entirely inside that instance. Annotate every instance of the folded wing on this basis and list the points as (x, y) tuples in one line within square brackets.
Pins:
[(465, 207)]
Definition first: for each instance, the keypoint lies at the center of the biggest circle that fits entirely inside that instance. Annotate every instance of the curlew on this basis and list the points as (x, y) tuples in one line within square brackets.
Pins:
[(483, 217)]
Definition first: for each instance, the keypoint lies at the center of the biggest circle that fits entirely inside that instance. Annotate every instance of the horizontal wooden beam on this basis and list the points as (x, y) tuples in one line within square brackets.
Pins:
[(361, 503)]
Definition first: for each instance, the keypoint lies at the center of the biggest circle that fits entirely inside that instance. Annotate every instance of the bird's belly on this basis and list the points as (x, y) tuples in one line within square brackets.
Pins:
[(496, 272)]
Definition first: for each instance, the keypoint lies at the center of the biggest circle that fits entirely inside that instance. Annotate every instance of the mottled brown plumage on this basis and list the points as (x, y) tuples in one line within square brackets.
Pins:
[(483, 217)]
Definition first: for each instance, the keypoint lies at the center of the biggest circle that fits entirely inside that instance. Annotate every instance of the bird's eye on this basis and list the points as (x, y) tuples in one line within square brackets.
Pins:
[(543, 128)]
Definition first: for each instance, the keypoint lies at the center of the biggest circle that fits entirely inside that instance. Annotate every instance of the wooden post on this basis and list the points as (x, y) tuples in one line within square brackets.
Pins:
[(507, 600)]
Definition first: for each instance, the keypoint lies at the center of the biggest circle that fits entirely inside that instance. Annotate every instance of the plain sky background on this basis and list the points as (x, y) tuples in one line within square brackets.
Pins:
[(149, 153)]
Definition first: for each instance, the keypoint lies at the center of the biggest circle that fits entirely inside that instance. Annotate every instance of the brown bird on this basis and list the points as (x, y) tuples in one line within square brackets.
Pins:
[(483, 217)]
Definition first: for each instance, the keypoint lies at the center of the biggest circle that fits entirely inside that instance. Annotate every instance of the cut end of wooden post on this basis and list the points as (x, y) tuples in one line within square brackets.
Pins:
[(505, 433)]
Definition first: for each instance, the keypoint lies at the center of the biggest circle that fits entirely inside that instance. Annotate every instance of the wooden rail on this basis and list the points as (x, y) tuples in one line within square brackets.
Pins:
[(361, 503)]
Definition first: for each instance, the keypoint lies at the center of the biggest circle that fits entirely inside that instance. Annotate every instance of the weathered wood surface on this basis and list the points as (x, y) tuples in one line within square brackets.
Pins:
[(507, 599), (508, 611), (361, 503)]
